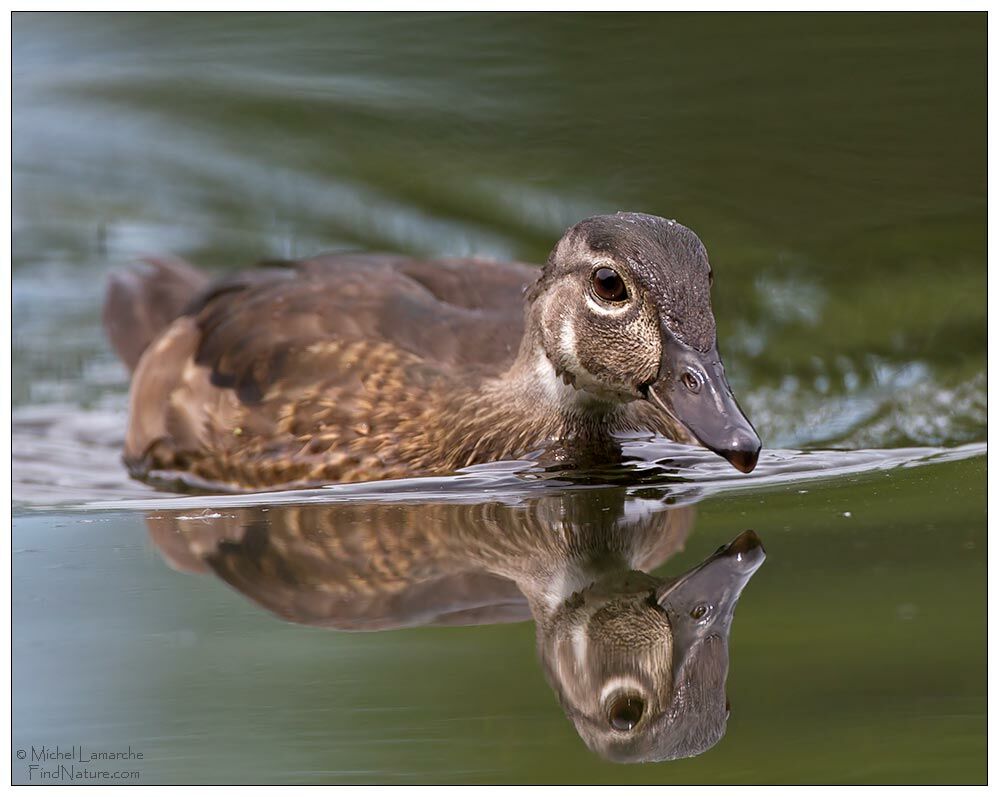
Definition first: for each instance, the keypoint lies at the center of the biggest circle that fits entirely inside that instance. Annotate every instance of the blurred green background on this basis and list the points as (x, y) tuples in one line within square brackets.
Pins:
[(834, 165)]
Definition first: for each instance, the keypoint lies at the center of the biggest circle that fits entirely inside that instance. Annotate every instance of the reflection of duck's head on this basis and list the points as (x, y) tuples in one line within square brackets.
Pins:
[(623, 311), (640, 665), (640, 676)]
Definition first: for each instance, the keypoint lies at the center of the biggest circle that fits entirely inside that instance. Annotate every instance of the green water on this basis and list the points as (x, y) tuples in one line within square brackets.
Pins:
[(834, 166)]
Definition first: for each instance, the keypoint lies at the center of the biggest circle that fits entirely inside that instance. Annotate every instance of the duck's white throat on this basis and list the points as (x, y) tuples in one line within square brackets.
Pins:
[(569, 399)]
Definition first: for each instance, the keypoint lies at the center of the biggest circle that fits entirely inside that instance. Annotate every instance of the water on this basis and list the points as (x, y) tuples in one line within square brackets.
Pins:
[(834, 167)]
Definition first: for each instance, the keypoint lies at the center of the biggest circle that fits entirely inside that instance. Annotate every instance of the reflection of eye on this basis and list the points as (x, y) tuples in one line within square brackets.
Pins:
[(625, 711), (608, 285), (699, 611), (691, 382)]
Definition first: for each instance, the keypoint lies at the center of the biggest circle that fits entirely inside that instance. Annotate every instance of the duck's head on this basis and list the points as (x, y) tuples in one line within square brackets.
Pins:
[(624, 307), (640, 665)]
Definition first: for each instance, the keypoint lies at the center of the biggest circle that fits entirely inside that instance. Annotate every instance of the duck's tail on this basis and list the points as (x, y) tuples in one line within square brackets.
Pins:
[(142, 301)]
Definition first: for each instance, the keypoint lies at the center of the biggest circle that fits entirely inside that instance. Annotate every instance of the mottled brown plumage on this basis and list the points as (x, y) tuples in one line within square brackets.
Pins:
[(371, 566), (356, 367)]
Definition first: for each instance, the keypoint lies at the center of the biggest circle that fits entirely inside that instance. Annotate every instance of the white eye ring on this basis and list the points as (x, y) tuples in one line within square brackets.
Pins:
[(602, 308), (620, 684)]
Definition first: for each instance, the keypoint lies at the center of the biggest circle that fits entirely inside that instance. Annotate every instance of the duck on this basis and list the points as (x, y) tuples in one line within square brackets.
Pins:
[(637, 662), (349, 367)]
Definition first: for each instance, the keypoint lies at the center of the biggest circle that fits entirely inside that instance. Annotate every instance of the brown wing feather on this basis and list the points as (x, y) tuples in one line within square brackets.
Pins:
[(434, 310)]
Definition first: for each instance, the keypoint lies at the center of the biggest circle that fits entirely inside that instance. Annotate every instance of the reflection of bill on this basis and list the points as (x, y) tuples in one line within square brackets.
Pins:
[(639, 664)]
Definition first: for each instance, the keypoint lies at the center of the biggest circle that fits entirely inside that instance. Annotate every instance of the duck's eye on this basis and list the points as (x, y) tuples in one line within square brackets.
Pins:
[(608, 285), (625, 711), (699, 611)]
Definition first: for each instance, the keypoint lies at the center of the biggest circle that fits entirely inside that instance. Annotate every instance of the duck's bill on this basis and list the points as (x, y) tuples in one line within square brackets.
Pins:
[(716, 583), (692, 388)]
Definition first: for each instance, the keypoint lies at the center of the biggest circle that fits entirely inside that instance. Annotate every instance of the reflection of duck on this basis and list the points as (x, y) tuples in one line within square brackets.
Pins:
[(348, 367), (639, 663)]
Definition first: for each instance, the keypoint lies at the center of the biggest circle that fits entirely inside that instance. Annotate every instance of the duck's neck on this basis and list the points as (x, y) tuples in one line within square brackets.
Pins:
[(552, 584), (534, 386), (528, 408)]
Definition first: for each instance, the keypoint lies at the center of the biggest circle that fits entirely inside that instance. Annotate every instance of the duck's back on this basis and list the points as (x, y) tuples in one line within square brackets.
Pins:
[(303, 372)]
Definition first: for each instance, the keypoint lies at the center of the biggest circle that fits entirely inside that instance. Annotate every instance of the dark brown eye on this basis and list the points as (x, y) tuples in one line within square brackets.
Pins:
[(625, 711), (608, 285), (699, 611), (691, 382)]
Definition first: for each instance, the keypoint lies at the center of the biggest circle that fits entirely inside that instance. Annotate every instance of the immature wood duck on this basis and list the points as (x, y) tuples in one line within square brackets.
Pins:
[(350, 367), (639, 663)]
